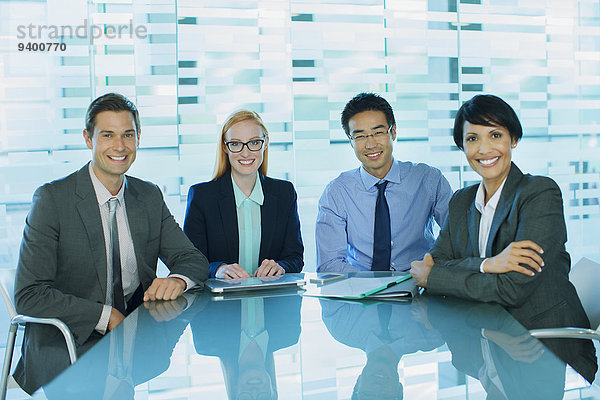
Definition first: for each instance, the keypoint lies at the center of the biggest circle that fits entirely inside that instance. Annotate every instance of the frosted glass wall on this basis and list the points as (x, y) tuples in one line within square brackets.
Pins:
[(188, 64)]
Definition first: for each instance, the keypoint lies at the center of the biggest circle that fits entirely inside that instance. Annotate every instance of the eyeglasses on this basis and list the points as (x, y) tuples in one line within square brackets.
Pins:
[(253, 145), (379, 136)]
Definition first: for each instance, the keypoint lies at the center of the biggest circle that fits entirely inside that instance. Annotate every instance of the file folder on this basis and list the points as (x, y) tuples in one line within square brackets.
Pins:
[(380, 288)]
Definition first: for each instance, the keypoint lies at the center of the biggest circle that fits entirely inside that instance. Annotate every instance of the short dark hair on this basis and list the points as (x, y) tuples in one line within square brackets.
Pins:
[(366, 102), (488, 110), (110, 102)]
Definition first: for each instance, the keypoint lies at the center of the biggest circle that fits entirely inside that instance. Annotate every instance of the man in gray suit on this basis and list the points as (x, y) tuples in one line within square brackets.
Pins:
[(91, 244)]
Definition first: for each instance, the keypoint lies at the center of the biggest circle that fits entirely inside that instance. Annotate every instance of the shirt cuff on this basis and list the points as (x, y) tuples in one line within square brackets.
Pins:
[(481, 266), (102, 325), (189, 284)]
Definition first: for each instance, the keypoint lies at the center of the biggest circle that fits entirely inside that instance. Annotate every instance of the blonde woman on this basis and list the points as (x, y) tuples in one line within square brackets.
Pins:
[(243, 221)]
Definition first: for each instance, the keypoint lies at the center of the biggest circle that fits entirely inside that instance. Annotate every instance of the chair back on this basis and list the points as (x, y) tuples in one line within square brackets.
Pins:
[(585, 276), (7, 289)]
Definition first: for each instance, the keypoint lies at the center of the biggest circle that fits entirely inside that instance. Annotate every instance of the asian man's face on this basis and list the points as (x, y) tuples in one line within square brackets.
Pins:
[(372, 141)]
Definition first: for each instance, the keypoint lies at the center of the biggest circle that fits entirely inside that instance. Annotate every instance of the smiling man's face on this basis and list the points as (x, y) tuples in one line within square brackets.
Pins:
[(375, 153), (114, 144)]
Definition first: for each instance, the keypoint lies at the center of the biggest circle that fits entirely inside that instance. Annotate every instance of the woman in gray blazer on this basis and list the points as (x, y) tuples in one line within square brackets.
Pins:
[(504, 239)]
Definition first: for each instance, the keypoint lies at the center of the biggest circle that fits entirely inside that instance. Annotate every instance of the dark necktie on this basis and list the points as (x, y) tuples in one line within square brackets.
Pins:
[(117, 289), (382, 236)]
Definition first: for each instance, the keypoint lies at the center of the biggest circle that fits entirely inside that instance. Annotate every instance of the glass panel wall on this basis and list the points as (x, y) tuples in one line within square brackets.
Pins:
[(188, 64)]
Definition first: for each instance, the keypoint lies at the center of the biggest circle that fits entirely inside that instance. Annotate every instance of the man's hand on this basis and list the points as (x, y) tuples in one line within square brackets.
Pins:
[(165, 289), (269, 268), (231, 271), (166, 310), (115, 319), (420, 270), (523, 252)]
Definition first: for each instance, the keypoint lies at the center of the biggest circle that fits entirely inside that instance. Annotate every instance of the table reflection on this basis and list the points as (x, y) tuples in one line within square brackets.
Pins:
[(491, 346), (385, 332), (136, 351), (244, 333), (206, 346)]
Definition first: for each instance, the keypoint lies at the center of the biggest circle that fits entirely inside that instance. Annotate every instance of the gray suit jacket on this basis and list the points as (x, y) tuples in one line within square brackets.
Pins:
[(62, 262), (530, 208)]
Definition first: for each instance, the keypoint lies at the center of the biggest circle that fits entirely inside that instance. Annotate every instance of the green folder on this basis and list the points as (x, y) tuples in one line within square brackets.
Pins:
[(357, 288), (387, 286)]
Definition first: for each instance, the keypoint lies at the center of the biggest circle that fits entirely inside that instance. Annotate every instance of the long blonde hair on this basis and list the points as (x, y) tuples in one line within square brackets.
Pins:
[(222, 162)]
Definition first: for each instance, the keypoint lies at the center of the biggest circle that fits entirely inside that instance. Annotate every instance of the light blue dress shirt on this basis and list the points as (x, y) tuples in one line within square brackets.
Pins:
[(249, 229), (417, 195)]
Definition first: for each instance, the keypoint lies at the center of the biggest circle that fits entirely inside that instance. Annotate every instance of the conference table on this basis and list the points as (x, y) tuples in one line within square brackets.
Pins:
[(287, 345)]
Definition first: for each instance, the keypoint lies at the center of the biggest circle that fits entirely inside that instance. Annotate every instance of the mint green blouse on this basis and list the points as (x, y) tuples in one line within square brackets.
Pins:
[(249, 230)]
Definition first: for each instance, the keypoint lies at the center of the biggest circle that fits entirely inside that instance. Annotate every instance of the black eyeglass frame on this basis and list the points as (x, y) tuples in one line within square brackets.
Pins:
[(363, 138), (247, 144)]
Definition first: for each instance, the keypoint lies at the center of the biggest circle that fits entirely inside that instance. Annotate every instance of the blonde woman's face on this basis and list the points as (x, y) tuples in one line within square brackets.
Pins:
[(245, 135)]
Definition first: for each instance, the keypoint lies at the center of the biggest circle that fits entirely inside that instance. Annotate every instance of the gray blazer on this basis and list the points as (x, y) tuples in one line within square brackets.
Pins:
[(530, 208), (62, 262)]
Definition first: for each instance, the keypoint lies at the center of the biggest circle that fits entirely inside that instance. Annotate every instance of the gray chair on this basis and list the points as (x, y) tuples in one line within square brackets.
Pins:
[(7, 283), (585, 276)]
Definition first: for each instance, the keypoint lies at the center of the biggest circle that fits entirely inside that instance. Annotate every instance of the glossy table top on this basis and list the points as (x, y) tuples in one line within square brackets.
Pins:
[(284, 345)]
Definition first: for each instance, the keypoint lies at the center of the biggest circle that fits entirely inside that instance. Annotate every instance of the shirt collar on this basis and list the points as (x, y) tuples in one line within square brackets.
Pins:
[(256, 196), (393, 175), (102, 193), (493, 202)]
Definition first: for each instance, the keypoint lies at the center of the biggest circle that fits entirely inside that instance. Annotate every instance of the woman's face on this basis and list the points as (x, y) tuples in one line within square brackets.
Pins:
[(246, 162), (488, 151)]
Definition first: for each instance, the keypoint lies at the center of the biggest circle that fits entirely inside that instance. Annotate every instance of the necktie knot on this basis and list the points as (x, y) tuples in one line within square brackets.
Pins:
[(112, 205), (381, 185)]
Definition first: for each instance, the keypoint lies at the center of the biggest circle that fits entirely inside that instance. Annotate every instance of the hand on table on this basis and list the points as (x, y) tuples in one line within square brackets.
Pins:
[(165, 289), (522, 252), (420, 270), (231, 271), (115, 319), (269, 268)]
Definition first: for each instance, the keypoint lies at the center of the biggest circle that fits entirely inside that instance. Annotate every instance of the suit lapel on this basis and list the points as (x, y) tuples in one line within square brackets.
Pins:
[(228, 218), (504, 205), (138, 218), (89, 212), (473, 219), (268, 218)]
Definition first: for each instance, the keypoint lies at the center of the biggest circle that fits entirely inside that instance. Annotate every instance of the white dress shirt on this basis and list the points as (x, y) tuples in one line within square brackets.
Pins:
[(487, 216), (129, 273)]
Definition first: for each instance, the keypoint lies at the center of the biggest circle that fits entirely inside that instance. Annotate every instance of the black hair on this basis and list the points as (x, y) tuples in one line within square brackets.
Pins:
[(366, 102), (488, 110), (110, 102)]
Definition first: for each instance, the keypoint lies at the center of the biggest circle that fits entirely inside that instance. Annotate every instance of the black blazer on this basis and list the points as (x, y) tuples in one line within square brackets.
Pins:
[(530, 208), (211, 223)]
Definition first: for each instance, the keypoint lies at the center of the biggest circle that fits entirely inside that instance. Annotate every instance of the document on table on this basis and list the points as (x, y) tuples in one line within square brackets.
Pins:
[(380, 288)]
